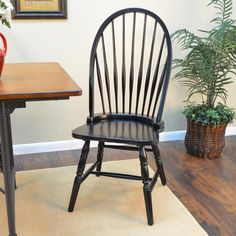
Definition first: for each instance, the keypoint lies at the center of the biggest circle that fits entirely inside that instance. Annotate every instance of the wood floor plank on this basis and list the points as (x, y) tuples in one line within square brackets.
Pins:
[(206, 187)]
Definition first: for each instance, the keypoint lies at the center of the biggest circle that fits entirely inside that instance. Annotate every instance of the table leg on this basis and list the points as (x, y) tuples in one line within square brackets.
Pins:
[(1, 170), (8, 165)]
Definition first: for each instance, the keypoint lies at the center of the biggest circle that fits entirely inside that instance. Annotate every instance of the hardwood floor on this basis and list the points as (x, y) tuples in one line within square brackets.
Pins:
[(206, 187)]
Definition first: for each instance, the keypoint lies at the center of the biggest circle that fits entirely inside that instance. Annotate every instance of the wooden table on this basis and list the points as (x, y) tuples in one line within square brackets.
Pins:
[(19, 84)]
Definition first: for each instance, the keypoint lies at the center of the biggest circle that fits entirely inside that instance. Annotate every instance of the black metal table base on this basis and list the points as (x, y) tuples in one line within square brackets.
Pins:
[(6, 108), (2, 190), (1, 171)]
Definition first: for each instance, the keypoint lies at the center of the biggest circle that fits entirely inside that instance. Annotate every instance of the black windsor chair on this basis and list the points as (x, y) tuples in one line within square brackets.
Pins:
[(132, 84)]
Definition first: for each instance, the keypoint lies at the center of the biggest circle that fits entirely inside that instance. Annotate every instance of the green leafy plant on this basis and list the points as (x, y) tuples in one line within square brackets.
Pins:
[(5, 10), (214, 116), (210, 62)]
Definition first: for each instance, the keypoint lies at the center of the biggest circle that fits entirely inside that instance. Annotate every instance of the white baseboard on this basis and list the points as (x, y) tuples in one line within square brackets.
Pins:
[(230, 131), (73, 144)]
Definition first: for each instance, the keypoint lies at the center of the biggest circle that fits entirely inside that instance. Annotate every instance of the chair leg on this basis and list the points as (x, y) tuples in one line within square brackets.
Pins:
[(79, 174), (146, 185), (100, 157), (159, 164)]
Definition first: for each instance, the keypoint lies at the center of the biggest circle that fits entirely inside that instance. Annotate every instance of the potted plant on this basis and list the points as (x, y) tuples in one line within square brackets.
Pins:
[(207, 69)]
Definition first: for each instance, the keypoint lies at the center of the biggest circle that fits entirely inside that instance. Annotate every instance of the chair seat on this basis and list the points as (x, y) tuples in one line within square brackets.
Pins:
[(119, 131)]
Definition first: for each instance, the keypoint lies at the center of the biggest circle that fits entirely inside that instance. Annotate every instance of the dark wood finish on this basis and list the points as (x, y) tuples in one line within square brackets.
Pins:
[(100, 83), (139, 81), (154, 82), (126, 147), (123, 64), (140, 72), (148, 75), (18, 13), (205, 187), (147, 187), (131, 76), (117, 175), (119, 131), (28, 81), (159, 164), (121, 123), (79, 175), (115, 72), (100, 157)]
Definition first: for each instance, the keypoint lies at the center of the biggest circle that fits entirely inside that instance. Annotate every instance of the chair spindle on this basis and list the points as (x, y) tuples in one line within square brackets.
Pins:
[(140, 74), (115, 66), (155, 77), (131, 76), (149, 67), (123, 66), (106, 74), (100, 82)]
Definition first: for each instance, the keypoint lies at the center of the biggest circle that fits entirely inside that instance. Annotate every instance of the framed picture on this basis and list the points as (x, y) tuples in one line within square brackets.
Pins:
[(39, 9)]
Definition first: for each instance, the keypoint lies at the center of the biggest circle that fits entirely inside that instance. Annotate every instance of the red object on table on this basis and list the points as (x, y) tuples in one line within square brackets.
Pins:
[(3, 52)]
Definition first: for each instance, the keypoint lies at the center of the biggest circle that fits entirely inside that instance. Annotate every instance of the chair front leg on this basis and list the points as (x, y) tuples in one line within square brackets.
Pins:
[(79, 174), (159, 164), (146, 185), (100, 157)]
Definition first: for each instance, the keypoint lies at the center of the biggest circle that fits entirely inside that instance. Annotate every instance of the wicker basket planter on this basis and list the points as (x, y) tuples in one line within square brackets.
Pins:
[(205, 141)]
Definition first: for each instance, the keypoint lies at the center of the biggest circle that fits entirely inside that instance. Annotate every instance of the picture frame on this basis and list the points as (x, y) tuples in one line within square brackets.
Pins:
[(39, 9)]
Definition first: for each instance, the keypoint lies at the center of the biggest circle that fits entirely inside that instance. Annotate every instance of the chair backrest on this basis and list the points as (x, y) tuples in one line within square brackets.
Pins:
[(131, 61)]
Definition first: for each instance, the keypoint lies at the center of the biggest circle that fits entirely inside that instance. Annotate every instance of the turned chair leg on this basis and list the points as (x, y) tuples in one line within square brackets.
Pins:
[(146, 185), (100, 157), (159, 164), (78, 179)]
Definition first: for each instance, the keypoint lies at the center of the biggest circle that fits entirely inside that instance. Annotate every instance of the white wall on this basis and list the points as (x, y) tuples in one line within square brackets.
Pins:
[(69, 41)]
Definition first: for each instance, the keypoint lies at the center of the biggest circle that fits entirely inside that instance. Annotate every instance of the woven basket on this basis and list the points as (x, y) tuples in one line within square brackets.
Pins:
[(205, 141)]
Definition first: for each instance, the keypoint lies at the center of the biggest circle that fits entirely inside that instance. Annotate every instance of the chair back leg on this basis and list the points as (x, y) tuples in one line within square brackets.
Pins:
[(159, 164), (100, 157), (78, 179), (146, 185)]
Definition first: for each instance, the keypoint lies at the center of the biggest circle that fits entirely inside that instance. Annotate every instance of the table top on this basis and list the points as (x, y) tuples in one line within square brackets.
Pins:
[(26, 81)]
